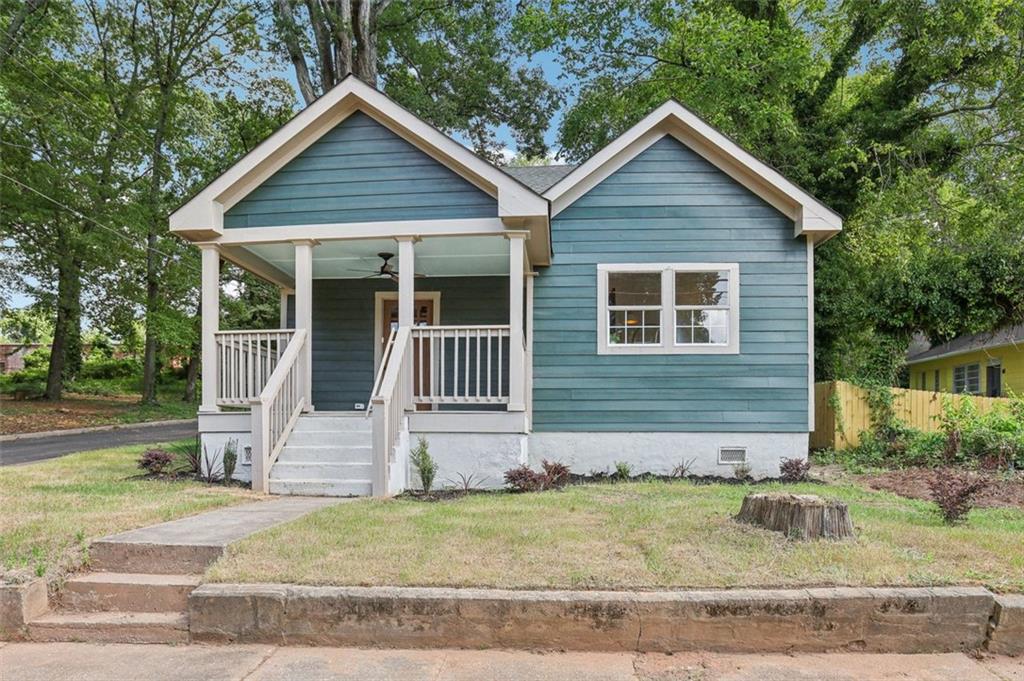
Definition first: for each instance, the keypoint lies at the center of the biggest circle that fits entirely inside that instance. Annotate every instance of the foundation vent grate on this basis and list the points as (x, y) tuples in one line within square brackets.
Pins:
[(732, 455)]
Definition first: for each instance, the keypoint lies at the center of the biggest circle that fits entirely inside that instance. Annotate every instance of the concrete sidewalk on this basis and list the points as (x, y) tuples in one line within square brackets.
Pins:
[(88, 662)]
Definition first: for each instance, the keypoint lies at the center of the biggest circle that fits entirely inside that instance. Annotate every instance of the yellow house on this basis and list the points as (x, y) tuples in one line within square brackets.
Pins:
[(989, 364)]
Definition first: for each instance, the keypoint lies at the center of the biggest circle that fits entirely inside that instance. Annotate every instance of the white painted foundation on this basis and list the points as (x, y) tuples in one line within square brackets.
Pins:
[(661, 453), (485, 456)]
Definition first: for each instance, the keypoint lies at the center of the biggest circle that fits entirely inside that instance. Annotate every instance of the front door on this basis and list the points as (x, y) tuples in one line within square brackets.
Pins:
[(994, 380), (423, 315)]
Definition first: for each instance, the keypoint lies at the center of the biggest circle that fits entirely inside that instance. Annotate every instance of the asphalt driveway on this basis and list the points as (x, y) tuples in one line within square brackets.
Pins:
[(29, 449)]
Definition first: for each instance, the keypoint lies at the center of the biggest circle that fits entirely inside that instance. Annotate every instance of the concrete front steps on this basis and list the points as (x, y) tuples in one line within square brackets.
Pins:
[(327, 454)]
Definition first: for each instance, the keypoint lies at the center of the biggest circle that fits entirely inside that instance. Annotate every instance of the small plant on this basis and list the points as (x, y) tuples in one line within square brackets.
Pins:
[(553, 475), (155, 461), (208, 473), (953, 492), (465, 482), (794, 470), (556, 474), (524, 479), (741, 471), (424, 464), (230, 459), (623, 470), (189, 457), (684, 468)]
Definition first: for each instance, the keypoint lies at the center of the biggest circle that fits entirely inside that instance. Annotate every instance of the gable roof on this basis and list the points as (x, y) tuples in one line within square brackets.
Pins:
[(539, 178), (202, 217), (810, 216), (1011, 335)]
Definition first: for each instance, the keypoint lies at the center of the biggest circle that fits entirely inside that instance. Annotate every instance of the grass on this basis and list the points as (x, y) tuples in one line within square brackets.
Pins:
[(633, 536), (53, 508), (82, 410)]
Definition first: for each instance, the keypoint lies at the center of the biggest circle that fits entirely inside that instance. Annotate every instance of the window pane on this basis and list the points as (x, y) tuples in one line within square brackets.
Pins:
[(634, 288), (652, 335), (702, 288), (710, 318), (719, 334), (684, 334), (652, 317), (616, 318)]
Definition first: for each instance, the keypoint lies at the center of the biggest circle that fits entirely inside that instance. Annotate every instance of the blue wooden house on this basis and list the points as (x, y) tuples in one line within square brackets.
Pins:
[(653, 305)]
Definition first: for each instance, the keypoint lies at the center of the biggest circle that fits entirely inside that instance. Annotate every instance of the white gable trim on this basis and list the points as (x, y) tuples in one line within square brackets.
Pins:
[(811, 217), (202, 217)]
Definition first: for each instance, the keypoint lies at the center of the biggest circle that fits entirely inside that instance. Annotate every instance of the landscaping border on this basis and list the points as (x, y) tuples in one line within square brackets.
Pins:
[(882, 620)]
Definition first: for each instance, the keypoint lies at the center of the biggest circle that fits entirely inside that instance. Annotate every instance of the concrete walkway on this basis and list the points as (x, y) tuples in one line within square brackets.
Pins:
[(225, 525), (88, 662)]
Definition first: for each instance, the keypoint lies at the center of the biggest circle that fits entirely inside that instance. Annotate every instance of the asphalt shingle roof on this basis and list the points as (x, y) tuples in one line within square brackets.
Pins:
[(1011, 335), (539, 178)]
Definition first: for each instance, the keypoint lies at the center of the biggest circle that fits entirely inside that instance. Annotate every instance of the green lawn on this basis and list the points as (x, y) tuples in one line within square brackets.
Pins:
[(635, 535), (51, 509), (83, 410)]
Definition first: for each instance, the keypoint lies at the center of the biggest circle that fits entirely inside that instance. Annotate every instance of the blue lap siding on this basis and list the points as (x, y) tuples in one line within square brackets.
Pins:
[(670, 205), (360, 172)]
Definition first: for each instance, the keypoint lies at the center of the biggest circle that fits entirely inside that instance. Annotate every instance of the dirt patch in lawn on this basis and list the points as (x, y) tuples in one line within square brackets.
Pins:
[(84, 411), (1001, 491)]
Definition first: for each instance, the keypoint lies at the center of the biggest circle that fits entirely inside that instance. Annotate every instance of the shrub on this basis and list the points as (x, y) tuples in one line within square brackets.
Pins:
[(155, 461), (953, 491), (111, 368), (424, 464), (741, 471), (684, 468), (230, 459), (524, 479), (794, 470), (623, 470), (465, 482), (553, 475), (189, 457), (207, 472), (556, 474)]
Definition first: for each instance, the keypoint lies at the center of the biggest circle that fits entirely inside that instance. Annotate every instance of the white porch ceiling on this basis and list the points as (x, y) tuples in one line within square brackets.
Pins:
[(437, 257)]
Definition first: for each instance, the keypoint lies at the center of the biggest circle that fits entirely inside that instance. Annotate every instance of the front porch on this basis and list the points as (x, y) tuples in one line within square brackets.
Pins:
[(436, 341)]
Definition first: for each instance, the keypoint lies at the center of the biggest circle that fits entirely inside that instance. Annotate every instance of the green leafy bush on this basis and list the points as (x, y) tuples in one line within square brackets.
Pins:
[(424, 464), (111, 368)]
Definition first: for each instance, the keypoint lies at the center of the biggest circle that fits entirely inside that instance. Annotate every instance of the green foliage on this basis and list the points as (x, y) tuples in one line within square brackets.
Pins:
[(623, 470), (906, 117), (230, 459), (424, 464)]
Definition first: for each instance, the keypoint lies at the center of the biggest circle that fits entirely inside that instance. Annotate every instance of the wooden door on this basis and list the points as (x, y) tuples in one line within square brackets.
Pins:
[(423, 315)]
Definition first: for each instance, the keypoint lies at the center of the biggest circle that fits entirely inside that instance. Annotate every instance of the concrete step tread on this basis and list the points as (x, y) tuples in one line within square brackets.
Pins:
[(323, 481), (140, 578), (61, 618), (326, 447)]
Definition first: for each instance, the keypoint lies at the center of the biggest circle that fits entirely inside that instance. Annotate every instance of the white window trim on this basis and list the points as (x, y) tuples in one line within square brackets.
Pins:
[(668, 346)]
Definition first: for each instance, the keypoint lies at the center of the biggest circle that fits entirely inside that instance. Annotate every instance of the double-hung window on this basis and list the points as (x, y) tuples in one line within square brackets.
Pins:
[(967, 379), (674, 308)]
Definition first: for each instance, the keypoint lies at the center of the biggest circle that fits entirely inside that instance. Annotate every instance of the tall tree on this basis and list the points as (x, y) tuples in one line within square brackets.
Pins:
[(454, 63), (857, 101)]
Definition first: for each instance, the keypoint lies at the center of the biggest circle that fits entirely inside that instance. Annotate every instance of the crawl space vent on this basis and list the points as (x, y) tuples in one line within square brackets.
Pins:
[(732, 455)]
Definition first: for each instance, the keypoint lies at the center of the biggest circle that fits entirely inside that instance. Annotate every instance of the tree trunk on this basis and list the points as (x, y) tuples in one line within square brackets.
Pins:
[(798, 516), (73, 344), (69, 286)]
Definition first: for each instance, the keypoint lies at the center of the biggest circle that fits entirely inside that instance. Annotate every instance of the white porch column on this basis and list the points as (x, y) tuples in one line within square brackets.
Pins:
[(210, 300), (406, 280), (516, 352), (285, 292), (304, 310)]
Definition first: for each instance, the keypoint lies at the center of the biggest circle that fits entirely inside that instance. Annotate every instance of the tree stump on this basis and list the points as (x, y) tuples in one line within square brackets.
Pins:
[(798, 516)]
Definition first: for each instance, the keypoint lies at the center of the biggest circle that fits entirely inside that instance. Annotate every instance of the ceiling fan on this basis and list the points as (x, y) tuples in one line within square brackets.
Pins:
[(387, 270)]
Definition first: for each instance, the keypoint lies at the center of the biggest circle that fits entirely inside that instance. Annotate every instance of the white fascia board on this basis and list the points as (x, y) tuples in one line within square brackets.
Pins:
[(672, 118), (204, 212), (347, 231)]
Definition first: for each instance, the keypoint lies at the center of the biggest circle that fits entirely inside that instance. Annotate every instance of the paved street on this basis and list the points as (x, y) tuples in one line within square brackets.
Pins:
[(39, 448), (89, 662)]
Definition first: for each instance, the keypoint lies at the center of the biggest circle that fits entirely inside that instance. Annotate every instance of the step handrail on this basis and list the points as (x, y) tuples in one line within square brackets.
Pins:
[(384, 361), (277, 408), (390, 403)]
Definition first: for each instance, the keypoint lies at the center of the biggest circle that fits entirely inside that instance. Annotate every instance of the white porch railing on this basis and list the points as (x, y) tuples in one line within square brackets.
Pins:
[(461, 364), (391, 399), (245, 362), (276, 409)]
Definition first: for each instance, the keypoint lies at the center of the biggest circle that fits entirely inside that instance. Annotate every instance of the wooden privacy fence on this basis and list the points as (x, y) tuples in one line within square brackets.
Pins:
[(841, 411)]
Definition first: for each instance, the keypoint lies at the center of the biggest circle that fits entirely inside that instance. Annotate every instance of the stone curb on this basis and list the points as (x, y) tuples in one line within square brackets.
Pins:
[(20, 603), (95, 429), (1006, 634), (883, 620)]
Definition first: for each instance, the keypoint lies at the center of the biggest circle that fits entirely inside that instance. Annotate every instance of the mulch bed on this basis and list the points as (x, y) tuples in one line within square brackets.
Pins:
[(1003, 490)]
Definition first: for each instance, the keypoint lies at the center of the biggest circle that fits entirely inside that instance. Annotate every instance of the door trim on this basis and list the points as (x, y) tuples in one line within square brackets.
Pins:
[(378, 313)]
